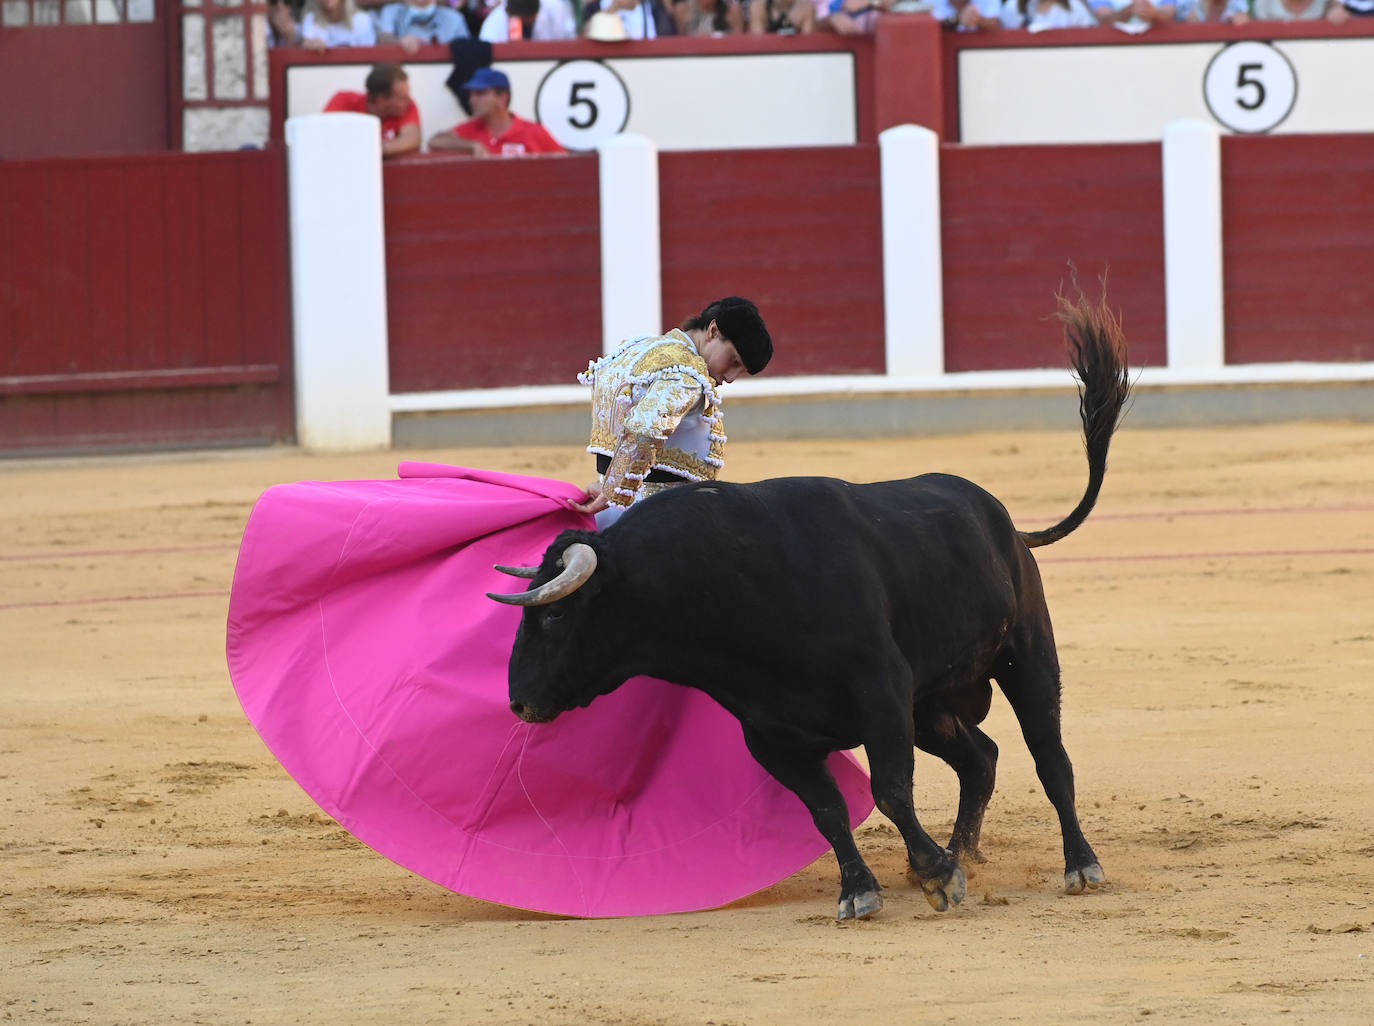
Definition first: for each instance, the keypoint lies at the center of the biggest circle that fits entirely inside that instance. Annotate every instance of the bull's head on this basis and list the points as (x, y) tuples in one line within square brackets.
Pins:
[(555, 659)]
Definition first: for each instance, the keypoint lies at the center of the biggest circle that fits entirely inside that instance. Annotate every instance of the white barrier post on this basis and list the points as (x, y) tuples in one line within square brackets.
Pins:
[(913, 275), (1194, 308), (631, 281), (338, 281)]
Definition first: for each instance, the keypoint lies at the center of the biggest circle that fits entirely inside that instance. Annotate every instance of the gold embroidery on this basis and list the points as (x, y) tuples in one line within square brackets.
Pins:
[(629, 466), (669, 353), (656, 389)]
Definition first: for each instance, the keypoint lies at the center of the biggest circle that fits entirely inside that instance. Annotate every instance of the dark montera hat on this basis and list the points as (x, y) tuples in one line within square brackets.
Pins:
[(740, 322)]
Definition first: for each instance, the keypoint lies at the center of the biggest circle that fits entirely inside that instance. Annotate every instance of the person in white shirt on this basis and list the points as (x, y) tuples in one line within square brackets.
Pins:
[(327, 23)]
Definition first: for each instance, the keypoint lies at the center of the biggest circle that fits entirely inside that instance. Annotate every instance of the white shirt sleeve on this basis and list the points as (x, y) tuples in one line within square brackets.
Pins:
[(495, 26)]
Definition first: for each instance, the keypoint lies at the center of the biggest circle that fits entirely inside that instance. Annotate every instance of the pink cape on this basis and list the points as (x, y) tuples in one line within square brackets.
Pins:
[(367, 655)]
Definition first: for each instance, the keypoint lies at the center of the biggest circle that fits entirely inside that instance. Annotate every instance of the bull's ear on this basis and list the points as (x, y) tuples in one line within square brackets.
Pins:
[(527, 572)]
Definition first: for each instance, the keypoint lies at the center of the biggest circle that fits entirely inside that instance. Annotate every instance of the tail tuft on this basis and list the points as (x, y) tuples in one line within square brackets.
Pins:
[(1097, 353)]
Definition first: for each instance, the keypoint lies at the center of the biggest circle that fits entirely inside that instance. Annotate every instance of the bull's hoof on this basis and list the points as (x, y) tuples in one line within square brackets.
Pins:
[(946, 891), (1084, 878), (859, 906)]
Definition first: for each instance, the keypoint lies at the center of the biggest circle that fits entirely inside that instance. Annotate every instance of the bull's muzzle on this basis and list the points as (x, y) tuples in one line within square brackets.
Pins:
[(530, 715)]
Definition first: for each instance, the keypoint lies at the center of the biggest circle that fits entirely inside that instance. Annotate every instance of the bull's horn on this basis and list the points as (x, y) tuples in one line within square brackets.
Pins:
[(527, 572), (579, 563)]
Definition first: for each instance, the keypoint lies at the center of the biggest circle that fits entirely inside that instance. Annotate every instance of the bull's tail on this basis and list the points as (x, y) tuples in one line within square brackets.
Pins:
[(1098, 350)]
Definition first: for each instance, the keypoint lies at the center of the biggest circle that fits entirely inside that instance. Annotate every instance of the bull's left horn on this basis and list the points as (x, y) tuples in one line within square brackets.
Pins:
[(579, 563), (527, 572)]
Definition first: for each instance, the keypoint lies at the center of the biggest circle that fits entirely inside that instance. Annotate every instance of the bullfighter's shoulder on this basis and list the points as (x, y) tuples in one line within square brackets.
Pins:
[(675, 350)]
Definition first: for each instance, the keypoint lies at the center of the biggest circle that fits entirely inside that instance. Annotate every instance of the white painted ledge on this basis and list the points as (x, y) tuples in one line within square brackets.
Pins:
[(877, 384)]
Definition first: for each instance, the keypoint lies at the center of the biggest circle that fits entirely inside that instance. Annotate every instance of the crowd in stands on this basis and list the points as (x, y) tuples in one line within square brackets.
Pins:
[(494, 130), (321, 24)]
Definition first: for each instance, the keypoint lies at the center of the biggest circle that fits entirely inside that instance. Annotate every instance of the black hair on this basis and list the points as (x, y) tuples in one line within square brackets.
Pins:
[(741, 324)]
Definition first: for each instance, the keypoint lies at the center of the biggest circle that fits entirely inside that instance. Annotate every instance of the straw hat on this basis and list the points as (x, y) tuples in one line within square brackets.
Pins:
[(605, 27)]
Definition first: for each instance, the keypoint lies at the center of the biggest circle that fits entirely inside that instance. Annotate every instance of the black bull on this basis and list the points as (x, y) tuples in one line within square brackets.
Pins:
[(827, 615)]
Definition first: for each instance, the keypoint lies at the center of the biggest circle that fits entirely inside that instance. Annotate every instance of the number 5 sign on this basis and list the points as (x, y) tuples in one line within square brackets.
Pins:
[(582, 103), (1250, 87)]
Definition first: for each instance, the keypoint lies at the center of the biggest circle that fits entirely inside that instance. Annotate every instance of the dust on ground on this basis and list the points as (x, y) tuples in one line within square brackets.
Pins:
[(1215, 618)]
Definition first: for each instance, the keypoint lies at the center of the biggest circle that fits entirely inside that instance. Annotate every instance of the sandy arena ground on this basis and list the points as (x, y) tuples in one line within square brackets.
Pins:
[(1216, 625)]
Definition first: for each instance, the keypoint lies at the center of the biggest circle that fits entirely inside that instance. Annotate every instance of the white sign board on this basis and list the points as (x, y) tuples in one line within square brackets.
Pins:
[(681, 103), (1105, 94)]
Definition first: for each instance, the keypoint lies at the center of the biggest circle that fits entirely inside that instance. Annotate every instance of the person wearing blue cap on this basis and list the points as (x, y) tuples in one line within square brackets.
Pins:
[(494, 131)]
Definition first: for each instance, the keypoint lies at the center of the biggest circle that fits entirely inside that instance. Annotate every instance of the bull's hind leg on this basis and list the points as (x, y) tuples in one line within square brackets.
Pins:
[(1031, 684), (973, 757), (809, 778)]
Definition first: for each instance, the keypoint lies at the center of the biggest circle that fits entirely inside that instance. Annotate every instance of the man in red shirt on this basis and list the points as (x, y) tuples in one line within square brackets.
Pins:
[(495, 131), (387, 98)]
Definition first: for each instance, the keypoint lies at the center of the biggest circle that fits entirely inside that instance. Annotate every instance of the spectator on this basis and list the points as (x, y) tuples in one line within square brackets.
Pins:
[(1039, 15), (968, 15), (282, 18), (643, 19), (1300, 10), (1214, 12), (785, 17), (495, 131), (413, 23), (529, 19), (327, 23), (708, 17), (1134, 15), (388, 99), (850, 17)]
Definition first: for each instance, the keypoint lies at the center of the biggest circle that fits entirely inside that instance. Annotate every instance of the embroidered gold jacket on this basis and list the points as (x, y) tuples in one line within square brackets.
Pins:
[(654, 406)]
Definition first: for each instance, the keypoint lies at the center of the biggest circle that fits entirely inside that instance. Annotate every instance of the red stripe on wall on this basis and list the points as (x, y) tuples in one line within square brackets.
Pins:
[(1298, 239), (1016, 216), (799, 231)]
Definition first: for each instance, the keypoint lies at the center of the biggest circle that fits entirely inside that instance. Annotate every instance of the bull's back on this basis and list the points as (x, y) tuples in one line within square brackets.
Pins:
[(906, 547)]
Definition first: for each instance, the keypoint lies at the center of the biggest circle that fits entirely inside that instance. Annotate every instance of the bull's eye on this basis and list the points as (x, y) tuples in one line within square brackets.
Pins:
[(553, 615)]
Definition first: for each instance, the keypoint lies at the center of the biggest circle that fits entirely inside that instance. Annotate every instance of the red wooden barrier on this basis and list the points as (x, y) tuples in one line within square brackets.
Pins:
[(1298, 224), (1016, 216), (146, 301), (86, 89), (494, 275), (493, 271), (798, 231)]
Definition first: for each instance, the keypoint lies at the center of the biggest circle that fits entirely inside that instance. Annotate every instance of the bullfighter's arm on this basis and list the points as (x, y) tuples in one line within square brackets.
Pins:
[(634, 458), (656, 414)]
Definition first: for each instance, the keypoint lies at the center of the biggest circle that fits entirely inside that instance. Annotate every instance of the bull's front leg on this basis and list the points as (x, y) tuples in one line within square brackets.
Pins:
[(808, 777)]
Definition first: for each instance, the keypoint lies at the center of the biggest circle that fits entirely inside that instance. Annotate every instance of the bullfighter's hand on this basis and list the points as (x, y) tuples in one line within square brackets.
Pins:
[(593, 502)]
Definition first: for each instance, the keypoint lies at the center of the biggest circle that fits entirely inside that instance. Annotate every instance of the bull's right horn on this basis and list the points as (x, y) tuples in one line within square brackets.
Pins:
[(579, 563), (527, 572)]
